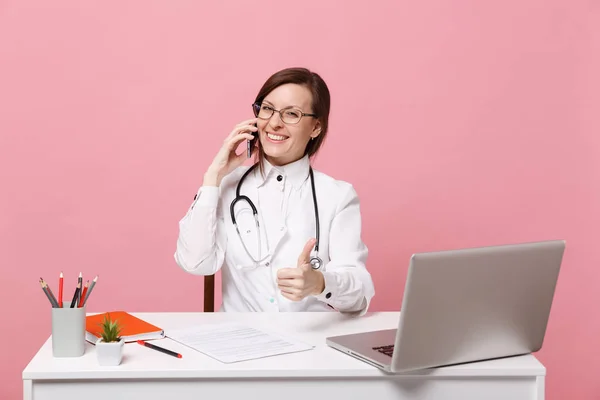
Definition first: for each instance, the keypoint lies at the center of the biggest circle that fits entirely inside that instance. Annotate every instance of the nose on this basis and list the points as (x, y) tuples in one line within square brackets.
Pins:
[(275, 121)]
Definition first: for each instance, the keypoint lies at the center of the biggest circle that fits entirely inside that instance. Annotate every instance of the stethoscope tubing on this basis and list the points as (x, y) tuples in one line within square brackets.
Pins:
[(315, 261)]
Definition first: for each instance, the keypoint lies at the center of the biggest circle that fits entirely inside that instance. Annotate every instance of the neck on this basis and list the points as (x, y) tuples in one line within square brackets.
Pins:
[(280, 163)]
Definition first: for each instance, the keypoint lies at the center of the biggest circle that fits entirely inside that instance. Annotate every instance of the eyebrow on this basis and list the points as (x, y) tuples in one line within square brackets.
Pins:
[(293, 105)]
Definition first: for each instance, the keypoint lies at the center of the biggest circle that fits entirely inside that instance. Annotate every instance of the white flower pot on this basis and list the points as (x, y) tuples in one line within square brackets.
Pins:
[(109, 353)]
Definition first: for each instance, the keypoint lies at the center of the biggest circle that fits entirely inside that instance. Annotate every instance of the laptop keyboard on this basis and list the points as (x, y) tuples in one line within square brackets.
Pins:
[(387, 350)]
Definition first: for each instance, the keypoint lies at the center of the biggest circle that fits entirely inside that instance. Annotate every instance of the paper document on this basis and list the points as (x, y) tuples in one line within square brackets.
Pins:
[(233, 342)]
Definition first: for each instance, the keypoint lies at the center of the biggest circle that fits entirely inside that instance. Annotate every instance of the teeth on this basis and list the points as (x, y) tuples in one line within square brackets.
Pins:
[(276, 137)]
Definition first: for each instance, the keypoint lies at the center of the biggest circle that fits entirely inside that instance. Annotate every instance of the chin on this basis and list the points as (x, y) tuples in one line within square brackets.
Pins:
[(275, 152)]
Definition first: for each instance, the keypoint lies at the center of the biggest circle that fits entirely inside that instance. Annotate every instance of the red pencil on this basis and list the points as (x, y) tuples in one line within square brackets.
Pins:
[(60, 290), (82, 298)]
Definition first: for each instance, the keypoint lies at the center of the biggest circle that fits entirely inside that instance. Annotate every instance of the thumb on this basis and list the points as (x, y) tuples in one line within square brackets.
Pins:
[(306, 267), (305, 255)]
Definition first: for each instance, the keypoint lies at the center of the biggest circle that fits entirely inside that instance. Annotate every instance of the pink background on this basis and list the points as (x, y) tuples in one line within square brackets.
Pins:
[(460, 124)]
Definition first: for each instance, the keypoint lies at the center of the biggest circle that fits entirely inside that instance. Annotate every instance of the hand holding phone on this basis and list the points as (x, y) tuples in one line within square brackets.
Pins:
[(227, 159)]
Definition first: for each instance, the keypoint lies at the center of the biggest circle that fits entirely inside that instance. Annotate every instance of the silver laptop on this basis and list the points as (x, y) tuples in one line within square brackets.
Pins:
[(466, 305)]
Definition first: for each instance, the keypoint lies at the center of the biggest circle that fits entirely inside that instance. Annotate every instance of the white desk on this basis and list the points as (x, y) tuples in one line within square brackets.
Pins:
[(322, 373)]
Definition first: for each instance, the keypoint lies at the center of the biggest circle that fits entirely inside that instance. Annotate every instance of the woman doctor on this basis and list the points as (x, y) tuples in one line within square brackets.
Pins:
[(286, 237)]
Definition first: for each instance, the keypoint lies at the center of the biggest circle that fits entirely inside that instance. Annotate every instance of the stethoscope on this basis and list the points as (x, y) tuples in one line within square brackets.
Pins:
[(315, 261)]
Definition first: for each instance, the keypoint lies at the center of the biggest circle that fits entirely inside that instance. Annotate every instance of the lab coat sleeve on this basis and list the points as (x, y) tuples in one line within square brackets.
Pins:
[(202, 241), (348, 284)]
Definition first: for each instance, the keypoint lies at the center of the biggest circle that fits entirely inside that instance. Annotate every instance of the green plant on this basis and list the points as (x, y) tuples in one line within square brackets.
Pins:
[(111, 330)]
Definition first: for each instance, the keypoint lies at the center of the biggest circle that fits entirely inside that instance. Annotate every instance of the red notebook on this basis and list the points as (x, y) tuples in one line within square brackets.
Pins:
[(132, 328)]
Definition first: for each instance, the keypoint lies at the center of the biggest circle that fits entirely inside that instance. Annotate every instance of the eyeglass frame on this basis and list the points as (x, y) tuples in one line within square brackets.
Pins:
[(302, 114)]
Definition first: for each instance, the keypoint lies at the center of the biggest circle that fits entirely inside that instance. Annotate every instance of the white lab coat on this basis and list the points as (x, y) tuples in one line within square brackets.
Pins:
[(208, 240)]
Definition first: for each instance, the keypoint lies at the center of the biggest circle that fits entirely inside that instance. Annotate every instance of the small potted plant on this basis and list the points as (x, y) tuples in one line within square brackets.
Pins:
[(109, 348)]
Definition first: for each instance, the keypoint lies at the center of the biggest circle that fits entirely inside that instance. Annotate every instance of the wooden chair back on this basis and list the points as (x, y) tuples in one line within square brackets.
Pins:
[(209, 293)]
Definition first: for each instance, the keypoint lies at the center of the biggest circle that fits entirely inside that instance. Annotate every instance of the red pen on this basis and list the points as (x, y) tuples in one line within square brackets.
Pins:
[(152, 346)]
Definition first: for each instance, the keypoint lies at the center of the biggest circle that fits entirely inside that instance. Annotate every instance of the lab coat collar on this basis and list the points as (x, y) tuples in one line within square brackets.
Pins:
[(294, 173)]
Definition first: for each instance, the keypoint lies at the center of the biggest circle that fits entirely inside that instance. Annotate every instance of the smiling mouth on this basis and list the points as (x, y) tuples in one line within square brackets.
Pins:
[(276, 138)]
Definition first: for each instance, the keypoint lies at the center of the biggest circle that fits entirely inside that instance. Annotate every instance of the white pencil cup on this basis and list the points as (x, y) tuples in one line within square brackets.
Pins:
[(68, 331)]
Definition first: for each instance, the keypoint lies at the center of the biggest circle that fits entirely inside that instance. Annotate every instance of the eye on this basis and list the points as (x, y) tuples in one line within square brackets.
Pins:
[(294, 114), (267, 108)]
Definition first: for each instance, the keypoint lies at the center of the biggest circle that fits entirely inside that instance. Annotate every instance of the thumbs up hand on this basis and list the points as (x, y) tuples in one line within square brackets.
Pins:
[(301, 281)]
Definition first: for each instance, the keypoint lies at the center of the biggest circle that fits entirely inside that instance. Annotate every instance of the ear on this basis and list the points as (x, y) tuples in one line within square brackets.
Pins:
[(316, 130)]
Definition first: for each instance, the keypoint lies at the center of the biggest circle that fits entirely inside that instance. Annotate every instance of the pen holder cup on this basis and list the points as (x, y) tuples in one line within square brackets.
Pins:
[(68, 331)]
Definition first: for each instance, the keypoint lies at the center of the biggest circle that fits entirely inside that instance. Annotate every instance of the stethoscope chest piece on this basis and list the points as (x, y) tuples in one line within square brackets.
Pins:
[(316, 263)]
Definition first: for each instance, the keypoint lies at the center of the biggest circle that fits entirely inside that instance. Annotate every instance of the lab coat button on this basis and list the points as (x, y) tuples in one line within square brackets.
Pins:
[(279, 178), (267, 263), (272, 300), (328, 295)]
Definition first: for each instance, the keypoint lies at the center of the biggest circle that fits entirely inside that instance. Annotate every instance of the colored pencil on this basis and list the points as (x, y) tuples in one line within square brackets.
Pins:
[(54, 301), (82, 297), (60, 290), (75, 295), (87, 296), (49, 294), (79, 283)]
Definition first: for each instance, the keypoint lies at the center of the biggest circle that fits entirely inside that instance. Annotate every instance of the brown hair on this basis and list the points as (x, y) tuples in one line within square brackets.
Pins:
[(320, 101)]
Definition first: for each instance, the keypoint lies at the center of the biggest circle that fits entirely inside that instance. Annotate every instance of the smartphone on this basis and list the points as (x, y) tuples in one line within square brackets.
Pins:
[(251, 143)]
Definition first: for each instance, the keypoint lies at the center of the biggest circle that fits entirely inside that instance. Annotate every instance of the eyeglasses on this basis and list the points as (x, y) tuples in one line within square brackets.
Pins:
[(289, 115)]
